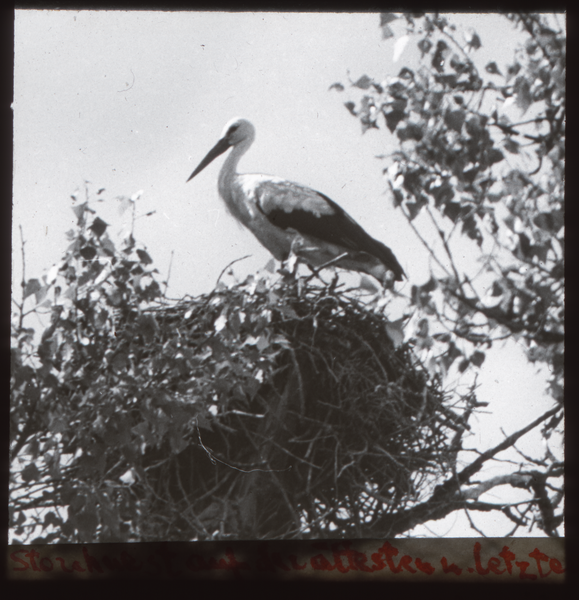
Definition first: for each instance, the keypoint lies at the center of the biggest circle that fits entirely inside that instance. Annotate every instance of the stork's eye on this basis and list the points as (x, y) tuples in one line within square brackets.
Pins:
[(233, 128)]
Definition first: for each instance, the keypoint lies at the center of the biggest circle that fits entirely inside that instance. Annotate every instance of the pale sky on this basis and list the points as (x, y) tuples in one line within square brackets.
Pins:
[(134, 100)]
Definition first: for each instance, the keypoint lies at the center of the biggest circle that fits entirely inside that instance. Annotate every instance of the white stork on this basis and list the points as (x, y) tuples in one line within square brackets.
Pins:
[(287, 217)]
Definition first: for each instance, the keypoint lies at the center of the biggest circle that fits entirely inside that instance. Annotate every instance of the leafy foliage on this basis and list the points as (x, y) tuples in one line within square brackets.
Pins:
[(56, 380), (467, 164), (480, 161), (263, 409)]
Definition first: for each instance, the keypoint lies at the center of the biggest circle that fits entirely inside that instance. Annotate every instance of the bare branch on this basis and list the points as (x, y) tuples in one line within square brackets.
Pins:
[(476, 465), (448, 497)]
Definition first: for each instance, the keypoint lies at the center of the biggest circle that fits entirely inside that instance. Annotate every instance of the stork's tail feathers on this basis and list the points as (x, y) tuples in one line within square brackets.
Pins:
[(390, 261)]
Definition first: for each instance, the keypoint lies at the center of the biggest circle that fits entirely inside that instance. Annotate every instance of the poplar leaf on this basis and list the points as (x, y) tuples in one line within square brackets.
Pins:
[(399, 46), (32, 286), (395, 332)]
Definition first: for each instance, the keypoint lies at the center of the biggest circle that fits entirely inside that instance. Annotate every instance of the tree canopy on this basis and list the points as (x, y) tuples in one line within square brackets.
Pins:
[(481, 153)]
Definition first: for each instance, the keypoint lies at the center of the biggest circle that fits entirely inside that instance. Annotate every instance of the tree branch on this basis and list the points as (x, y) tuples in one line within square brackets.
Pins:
[(448, 497), (476, 465), (545, 336)]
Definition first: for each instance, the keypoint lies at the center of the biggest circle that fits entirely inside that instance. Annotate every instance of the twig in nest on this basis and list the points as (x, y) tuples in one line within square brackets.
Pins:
[(316, 270), (214, 458), (230, 265)]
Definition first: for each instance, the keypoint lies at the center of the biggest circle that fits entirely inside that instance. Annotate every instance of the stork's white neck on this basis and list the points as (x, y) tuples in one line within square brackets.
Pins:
[(229, 168), (228, 183)]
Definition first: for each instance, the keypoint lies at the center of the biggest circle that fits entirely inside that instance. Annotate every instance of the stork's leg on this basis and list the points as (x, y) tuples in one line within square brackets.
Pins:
[(290, 264)]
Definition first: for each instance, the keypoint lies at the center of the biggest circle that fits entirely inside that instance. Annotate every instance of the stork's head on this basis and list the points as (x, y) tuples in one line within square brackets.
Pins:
[(237, 131)]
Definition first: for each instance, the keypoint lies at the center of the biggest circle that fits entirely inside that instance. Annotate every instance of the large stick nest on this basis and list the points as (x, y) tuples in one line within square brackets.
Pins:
[(298, 416)]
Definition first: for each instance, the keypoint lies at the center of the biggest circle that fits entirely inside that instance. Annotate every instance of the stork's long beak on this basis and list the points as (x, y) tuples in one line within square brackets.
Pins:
[(219, 148)]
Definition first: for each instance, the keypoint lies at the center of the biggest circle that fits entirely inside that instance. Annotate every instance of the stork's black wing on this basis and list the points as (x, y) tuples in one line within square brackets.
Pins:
[(290, 205)]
